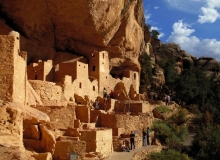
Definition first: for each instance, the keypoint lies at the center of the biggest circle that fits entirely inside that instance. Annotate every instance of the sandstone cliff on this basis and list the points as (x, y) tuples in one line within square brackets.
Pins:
[(163, 52), (53, 29)]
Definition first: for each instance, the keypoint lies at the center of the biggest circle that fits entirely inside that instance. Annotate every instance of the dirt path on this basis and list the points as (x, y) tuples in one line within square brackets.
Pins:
[(189, 139), (128, 155)]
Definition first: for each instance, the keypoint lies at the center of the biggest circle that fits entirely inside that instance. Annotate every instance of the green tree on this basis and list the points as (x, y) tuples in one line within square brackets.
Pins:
[(146, 72), (193, 87), (154, 33), (206, 144), (170, 72)]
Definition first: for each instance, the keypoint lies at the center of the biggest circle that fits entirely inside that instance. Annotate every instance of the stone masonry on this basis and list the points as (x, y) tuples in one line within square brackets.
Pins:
[(12, 69)]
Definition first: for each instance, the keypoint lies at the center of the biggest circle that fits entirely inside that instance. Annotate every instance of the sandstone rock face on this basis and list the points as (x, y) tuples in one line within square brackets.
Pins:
[(77, 27), (170, 50), (163, 52), (210, 65), (158, 78), (13, 152), (11, 124)]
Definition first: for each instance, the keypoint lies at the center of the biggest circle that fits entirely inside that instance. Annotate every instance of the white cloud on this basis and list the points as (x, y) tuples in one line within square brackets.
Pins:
[(156, 7), (161, 35), (191, 44), (147, 15), (209, 12), (154, 28), (213, 3), (209, 15), (187, 6)]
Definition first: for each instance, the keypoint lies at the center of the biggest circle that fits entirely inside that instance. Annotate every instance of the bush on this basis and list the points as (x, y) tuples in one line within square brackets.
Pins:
[(194, 108), (183, 132), (174, 142), (163, 109), (161, 131), (168, 155), (170, 135), (180, 117)]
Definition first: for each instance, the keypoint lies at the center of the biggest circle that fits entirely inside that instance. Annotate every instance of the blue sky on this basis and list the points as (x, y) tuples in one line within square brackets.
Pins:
[(193, 24)]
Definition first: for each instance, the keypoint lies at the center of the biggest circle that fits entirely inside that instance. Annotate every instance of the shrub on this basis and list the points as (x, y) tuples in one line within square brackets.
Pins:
[(163, 109), (183, 132), (194, 108), (180, 117), (169, 155), (161, 131), (173, 142), (170, 135)]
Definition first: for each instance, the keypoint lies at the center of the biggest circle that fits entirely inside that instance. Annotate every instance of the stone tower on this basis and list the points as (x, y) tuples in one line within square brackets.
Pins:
[(12, 69), (99, 69)]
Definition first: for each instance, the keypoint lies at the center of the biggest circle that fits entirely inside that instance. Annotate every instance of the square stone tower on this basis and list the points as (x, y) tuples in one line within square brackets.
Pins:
[(12, 69), (99, 69)]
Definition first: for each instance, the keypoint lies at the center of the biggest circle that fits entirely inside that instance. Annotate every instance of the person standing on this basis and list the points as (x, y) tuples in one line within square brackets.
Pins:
[(168, 99), (144, 138), (104, 93), (148, 136), (97, 103), (111, 94), (132, 136)]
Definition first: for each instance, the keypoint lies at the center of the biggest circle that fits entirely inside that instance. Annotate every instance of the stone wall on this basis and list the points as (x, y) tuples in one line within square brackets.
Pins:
[(64, 149), (131, 78), (129, 106), (99, 140), (128, 122), (76, 69), (49, 92), (61, 117), (74, 78), (41, 71), (12, 69), (83, 113)]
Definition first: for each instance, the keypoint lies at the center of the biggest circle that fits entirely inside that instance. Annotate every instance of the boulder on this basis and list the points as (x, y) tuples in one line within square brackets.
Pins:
[(34, 116), (45, 144), (31, 132), (48, 140)]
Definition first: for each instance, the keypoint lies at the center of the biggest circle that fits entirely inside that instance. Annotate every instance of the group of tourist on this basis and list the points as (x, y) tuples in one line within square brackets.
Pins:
[(105, 96), (146, 140), (146, 137)]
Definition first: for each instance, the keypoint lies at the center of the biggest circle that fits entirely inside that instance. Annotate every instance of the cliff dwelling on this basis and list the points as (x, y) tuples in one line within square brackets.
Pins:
[(54, 67), (50, 109)]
